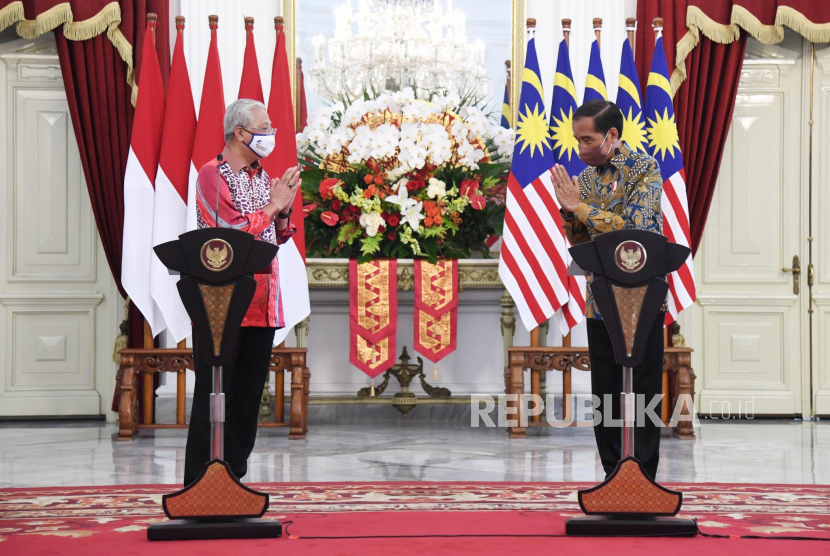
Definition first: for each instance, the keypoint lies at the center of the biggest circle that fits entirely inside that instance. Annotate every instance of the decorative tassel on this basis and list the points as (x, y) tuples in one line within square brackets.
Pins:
[(435, 371), (372, 391)]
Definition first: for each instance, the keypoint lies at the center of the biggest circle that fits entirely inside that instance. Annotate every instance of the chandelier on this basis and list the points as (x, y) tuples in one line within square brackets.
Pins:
[(414, 5), (404, 43)]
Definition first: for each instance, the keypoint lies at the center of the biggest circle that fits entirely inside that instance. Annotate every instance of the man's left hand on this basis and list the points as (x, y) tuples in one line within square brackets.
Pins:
[(566, 188)]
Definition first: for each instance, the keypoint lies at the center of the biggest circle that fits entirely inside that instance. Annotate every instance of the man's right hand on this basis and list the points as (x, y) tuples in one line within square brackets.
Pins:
[(283, 190)]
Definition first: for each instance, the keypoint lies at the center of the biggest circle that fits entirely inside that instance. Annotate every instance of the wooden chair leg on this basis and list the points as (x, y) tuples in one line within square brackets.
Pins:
[(296, 430), (148, 394), (126, 405), (279, 396), (306, 381), (517, 387), (535, 389), (685, 384), (181, 400), (567, 400)]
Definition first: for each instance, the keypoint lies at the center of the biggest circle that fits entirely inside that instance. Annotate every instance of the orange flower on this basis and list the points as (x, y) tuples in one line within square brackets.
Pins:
[(379, 179), (428, 221), (368, 178), (371, 191)]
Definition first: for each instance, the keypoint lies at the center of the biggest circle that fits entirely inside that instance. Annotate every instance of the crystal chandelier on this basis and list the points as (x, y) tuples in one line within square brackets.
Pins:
[(400, 45), (414, 5)]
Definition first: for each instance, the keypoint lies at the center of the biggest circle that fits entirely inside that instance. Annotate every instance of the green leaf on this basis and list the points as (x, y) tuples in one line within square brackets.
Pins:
[(370, 245), (434, 231), (347, 233)]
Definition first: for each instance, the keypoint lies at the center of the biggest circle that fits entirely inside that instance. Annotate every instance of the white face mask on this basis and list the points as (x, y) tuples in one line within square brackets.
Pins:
[(262, 144)]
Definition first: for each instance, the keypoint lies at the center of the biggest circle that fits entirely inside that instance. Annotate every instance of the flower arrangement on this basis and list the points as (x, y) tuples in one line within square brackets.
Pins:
[(395, 176)]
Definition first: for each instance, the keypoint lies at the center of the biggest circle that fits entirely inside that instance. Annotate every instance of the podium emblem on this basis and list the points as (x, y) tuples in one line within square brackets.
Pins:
[(217, 255), (630, 256)]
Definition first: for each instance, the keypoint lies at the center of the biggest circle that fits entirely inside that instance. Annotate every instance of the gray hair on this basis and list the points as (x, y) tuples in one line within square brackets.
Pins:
[(238, 114)]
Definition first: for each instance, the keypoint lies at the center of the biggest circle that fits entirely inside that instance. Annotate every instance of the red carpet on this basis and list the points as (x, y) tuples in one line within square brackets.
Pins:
[(411, 517)]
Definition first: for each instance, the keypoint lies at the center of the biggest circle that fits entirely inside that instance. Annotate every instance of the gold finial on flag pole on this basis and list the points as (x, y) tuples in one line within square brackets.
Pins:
[(566, 31), (213, 21), (598, 29), (630, 28), (249, 24)]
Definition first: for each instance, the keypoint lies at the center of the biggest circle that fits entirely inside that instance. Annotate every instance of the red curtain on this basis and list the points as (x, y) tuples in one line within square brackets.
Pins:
[(99, 97), (705, 101), (703, 107)]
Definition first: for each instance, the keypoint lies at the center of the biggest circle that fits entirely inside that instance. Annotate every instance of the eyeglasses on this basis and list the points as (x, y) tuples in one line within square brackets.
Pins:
[(267, 130)]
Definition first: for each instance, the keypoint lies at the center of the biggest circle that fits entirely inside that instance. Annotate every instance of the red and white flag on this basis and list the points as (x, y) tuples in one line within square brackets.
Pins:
[(250, 86), (210, 130), (175, 172), (292, 272), (139, 193)]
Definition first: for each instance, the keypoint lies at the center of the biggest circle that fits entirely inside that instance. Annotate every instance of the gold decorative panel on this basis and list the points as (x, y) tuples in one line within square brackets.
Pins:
[(629, 304), (217, 300)]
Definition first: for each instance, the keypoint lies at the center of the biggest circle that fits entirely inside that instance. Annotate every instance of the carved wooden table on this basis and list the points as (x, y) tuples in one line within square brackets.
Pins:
[(676, 360), (141, 364)]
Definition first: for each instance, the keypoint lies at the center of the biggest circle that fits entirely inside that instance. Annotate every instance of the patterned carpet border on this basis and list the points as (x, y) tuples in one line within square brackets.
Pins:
[(83, 511)]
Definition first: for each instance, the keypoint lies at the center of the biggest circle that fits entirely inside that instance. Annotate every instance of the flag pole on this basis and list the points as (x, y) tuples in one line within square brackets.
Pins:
[(566, 338), (534, 334), (658, 30), (630, 28), (183, 344), (566, 31), (598, 29)]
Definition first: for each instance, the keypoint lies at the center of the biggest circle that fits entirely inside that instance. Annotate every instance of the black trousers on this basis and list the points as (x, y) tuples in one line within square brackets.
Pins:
[(606, 378), (243, 382)]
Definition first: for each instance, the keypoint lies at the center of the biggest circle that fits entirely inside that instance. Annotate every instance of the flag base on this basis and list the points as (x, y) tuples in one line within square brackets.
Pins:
[(192, 529), (604, 526)]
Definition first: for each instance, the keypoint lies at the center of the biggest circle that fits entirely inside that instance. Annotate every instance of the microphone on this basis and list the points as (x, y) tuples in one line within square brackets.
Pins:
[(219, 159)]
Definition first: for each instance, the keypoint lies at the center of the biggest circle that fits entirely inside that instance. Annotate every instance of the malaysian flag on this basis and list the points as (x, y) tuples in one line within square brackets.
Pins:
[(664, 146), (595, 81), (630, 101), (566, 153), (531, 266)]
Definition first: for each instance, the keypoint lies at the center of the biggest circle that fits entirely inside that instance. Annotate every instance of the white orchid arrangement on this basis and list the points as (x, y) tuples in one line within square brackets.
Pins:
[(392, 175)]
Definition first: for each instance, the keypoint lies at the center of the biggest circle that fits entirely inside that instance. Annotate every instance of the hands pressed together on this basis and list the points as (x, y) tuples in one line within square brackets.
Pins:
[(285, 189), (566, 188)]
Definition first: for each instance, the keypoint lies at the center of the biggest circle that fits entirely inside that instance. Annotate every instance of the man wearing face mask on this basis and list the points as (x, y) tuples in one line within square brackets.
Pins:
[(252, 202), (620, 189)]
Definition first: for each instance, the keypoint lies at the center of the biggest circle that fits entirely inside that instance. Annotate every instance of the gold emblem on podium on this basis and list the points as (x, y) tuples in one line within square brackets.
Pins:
[(630, 256), (217, 255)]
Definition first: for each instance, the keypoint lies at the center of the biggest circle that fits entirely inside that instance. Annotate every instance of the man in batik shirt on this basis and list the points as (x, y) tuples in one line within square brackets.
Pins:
[(252, 202), (620, 189)]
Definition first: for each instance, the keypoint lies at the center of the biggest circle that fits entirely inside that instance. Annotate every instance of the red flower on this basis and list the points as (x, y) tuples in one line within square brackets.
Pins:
[(415, 183), (309, 208), (391, 235), (469, 188), (478, 202), (393, 220), (326, 187), (329, 218), (336, 204)]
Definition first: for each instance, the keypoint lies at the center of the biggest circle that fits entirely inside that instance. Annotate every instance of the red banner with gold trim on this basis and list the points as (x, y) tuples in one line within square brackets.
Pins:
[(373, 300), (436, 308)]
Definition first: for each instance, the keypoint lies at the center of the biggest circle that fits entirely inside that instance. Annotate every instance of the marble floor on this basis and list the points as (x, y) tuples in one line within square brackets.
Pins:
[(85, 453)]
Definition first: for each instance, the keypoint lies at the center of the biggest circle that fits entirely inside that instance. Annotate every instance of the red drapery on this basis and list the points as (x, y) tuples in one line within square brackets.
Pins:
[(98, 45), (707, 70)]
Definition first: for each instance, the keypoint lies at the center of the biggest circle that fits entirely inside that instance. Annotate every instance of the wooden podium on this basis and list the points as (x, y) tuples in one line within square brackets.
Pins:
[(216, 286), (629, 287)]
